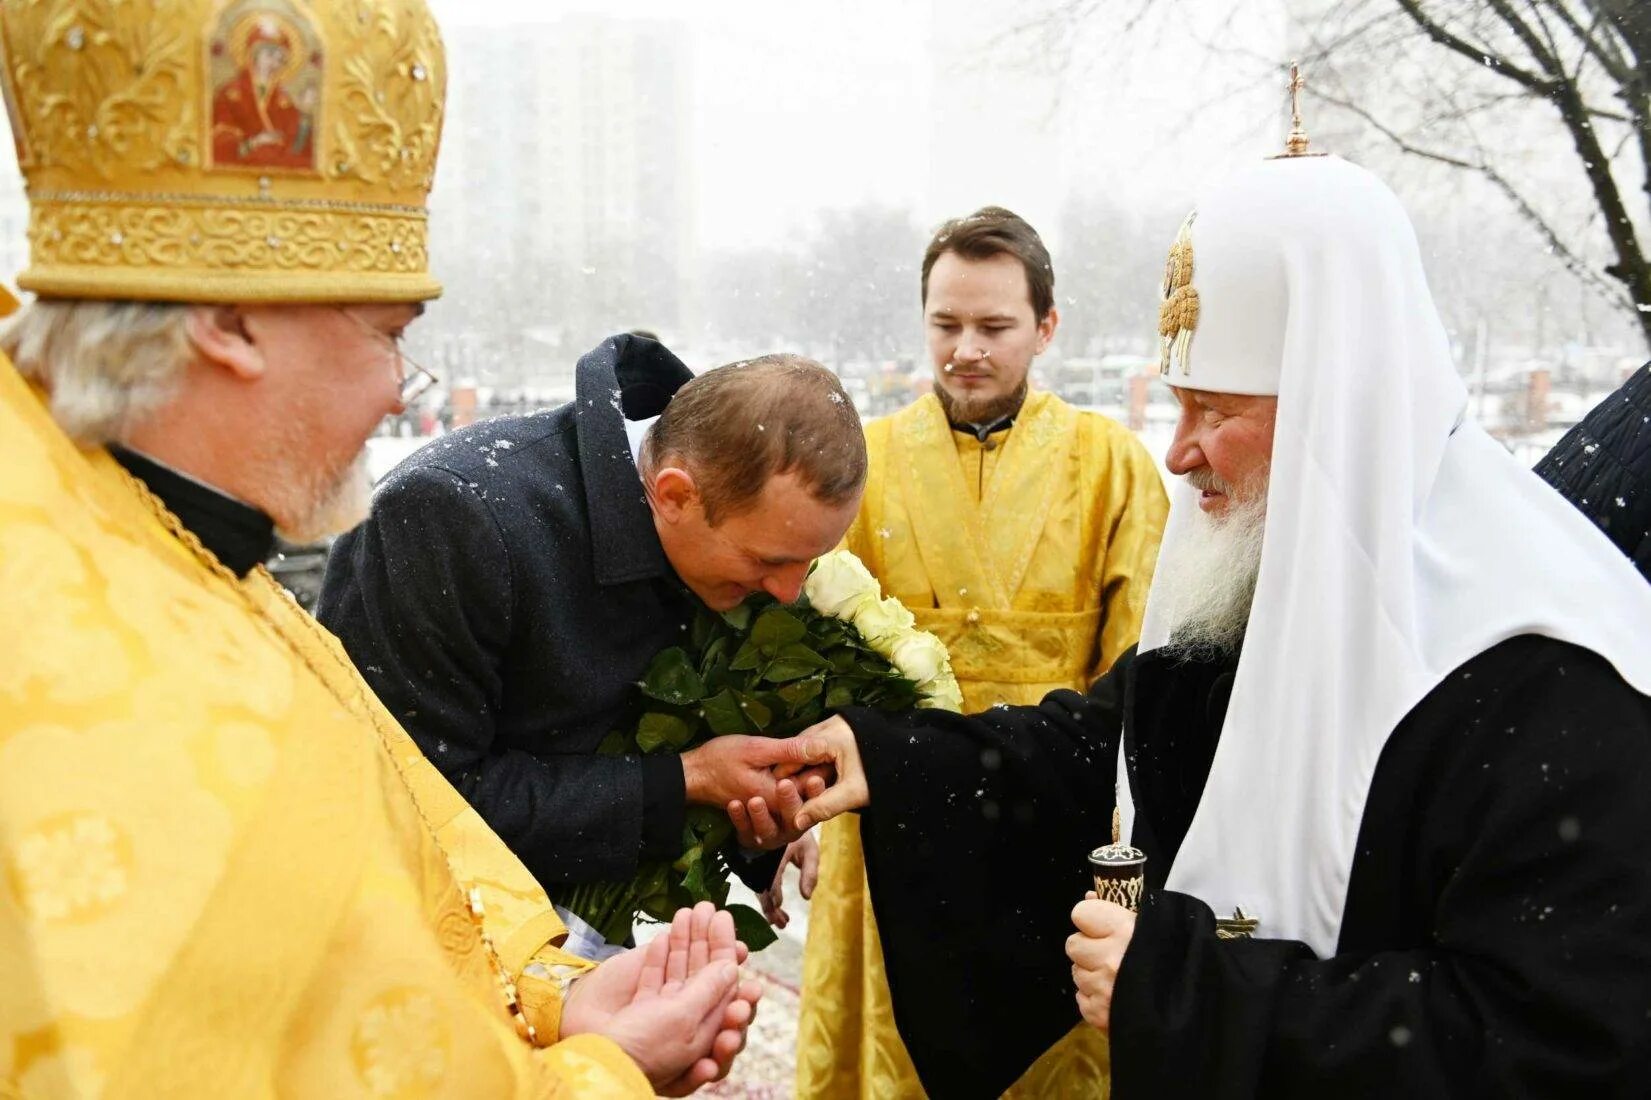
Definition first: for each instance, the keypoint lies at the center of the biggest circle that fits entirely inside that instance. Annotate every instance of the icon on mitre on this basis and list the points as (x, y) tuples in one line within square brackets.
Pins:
[(264, 60)]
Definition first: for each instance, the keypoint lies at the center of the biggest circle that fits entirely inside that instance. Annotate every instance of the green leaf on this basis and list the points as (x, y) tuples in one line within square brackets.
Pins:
[(759, 713), (900, 696), (723, 714), (800, 692), (694, 881), (777, 628), (689, 858), (799, 652), (786, 669), (843, 660), (671, 679), (708, 627), (717, 835), (793, 663), (714, 653), (748, 657), (716, 888), (839, 696), (660, 906), (616, 743), (740, 617), (656, 731), (829, 632), (750, 927), (698, 821)]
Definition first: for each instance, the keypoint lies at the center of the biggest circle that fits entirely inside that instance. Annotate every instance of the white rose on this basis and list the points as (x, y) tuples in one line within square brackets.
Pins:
[(942, 694), (920, 657), (882, 622), (837, 583)]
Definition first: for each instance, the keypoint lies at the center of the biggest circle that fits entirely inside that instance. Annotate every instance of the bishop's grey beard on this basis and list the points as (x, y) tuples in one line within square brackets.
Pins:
[(332, 505), (1207, 574)]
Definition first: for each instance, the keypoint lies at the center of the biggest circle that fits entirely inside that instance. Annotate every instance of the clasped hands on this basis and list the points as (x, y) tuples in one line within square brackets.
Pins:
[(817, 775), (775, 789)]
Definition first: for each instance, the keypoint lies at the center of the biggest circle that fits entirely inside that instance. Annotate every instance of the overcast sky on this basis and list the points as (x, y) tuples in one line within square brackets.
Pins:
[(916, 103)]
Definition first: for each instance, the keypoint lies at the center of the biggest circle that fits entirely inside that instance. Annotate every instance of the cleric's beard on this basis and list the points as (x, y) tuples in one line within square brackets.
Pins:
[(334, 506), (1207, 575), (962, 410)]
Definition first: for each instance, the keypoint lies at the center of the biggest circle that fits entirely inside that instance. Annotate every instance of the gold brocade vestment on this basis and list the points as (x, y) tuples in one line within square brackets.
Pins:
[(224, 870), (1029, 556)]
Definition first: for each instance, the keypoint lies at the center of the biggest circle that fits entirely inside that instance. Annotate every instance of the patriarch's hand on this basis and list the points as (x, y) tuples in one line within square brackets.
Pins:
[(1097, 950), (831, 745)]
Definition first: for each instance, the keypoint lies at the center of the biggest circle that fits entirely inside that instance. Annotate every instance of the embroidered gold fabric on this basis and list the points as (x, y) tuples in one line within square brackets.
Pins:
[(164, 163), (224, 870), (1031, 560)]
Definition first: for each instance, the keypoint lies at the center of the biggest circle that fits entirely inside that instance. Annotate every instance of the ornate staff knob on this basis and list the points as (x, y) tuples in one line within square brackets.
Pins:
[(1120, 874)]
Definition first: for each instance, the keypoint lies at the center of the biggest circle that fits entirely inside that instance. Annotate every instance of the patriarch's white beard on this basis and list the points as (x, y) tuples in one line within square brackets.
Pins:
[(1206, 576)]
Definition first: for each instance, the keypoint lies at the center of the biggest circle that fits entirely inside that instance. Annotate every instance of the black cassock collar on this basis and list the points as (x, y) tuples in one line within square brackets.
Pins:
[(239, 535), (981, 431)]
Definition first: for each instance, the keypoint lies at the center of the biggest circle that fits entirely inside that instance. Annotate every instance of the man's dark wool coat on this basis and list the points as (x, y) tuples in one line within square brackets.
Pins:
[(504, 599), (1603, 466)]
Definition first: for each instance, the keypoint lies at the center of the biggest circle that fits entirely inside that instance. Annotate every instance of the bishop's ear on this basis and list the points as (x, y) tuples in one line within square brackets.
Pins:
[(219, 337)]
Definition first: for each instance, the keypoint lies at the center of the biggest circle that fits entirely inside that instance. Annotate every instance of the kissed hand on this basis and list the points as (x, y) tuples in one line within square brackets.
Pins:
[(737, 770)]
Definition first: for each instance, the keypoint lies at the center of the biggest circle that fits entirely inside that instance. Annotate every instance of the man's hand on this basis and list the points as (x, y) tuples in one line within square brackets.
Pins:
[(760, 826), (676, 1007), (831, 746), (805, 853), (1097, 950), (736, 773)]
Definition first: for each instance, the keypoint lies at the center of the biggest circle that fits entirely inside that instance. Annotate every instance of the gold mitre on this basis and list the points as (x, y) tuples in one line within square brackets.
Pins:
[(226, 150)]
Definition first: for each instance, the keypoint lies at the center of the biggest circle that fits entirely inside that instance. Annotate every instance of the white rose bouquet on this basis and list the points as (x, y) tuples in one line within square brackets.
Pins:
[(771, 669)]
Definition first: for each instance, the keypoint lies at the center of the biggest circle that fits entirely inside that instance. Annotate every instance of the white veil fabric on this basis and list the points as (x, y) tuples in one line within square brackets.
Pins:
[(1400, 540)]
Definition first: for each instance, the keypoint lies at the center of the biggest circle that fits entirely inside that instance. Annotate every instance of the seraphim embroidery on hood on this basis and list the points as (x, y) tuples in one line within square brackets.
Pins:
[(1178, 315)]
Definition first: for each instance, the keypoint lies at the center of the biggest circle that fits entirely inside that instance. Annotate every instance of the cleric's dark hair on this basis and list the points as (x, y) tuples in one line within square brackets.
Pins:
[(994, 231)]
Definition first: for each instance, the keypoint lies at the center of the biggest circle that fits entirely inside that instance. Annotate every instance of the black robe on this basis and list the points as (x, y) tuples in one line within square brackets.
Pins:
[(1603, 467), (1496, 938)]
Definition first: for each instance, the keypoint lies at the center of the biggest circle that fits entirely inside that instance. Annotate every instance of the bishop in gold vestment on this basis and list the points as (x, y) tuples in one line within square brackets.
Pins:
[(224, 869), (1029, 554), (223, 863)]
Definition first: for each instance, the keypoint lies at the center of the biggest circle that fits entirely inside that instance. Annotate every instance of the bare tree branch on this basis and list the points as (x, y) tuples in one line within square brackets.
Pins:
[(1439, 34), (1545, 60), (1566, 52), (1575, 264), (1608, 59)]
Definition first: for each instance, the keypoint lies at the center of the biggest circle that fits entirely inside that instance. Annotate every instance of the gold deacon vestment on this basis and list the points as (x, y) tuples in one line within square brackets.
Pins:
[(224, 869), (1029, 555)]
